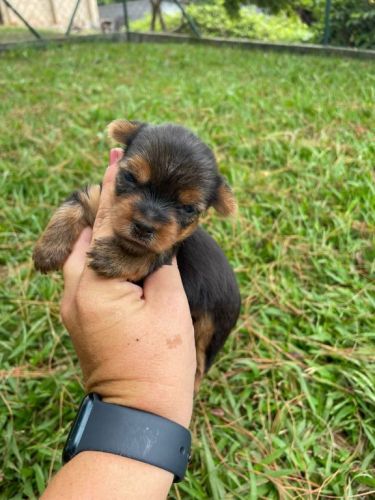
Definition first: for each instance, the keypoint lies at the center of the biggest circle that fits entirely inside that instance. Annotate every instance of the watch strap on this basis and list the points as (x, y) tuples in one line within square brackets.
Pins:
[(131, 433)]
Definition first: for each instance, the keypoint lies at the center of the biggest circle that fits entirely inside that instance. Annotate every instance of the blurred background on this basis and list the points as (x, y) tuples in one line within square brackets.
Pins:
[(347, 23)]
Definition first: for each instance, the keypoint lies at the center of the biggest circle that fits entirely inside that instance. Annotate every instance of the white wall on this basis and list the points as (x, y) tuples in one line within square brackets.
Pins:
[(52, 13)]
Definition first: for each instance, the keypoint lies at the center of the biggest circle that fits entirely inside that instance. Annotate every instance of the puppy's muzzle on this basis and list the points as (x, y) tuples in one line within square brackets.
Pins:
[(142, 230)]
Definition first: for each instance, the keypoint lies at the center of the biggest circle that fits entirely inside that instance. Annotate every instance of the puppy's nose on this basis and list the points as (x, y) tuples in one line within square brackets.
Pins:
[(151, 211), (142, 229)]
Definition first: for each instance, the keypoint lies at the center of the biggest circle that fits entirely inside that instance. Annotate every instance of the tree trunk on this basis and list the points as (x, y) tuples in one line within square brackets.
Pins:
[(162, 23), (156, 12), (153, 17)]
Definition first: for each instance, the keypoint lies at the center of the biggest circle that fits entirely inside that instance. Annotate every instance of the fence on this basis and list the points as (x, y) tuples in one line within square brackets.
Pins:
[(23, 20)]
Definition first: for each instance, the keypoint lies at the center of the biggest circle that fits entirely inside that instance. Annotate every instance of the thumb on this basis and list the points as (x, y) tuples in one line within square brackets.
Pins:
[(75, 264), (101, 226), (115, 154)]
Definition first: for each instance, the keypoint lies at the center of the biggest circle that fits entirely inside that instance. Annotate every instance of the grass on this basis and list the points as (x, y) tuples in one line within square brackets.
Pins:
[(23, 34), (288, 410)]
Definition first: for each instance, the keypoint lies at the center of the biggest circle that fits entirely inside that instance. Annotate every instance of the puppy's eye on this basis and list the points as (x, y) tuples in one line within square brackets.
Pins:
[(129, 177), (188, 209)]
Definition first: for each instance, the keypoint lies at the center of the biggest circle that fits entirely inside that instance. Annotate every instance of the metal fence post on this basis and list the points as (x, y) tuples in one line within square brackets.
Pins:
[(327, 29), (189, 19), (33, 31), (126, 16), (72, 18)]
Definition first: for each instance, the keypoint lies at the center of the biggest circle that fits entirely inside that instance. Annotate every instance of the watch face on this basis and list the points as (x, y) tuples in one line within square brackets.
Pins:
[(78, 427)]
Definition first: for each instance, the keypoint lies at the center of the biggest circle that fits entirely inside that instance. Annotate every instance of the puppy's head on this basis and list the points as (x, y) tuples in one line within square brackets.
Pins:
[(166, 180)]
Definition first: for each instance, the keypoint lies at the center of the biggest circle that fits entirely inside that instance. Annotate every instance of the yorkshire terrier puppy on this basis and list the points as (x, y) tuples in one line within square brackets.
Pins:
[(167, 178)]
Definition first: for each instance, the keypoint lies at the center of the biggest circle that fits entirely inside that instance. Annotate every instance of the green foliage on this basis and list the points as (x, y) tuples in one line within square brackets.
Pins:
[(232, 7), (287, 411), (353, 23), (270, 6), (276, 6), (213, 20), (173, 22)]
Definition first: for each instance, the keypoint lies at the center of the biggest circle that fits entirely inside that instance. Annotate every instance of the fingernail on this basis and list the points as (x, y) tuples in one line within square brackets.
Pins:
[(115, 155), (112, 156)]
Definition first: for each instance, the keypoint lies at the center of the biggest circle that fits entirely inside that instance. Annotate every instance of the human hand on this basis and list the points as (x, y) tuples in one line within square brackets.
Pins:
[(135, 346)]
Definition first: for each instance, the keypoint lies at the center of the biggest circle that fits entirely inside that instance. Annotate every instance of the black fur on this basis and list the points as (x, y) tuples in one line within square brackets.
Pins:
[(75, 197), (151, 216), (179, 160), (210, 286)]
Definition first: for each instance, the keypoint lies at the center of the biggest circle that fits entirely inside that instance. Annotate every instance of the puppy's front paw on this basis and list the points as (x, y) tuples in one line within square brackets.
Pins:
[(50, 256), (109, 259), (106, 258)]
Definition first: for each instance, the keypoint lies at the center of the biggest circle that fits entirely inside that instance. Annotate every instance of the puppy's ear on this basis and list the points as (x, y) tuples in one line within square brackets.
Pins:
[(124, 131), (224, 201)]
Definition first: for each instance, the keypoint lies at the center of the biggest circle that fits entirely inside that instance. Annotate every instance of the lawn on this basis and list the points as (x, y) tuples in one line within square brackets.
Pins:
[(288, 410), (22, 34)]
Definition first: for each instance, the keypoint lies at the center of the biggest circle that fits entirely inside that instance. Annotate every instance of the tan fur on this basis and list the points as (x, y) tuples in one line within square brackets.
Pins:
[(109, 259), (90, 202), (203, 330), (123, 212), (190, 196), (121, 130), (56, 243), (140, 168), (225, 203), (187, 231), (166, 237)]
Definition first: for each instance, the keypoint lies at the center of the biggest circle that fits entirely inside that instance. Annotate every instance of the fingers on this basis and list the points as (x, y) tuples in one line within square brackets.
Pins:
[(102, 223), (164, 288), (75, 263), (115, 155)]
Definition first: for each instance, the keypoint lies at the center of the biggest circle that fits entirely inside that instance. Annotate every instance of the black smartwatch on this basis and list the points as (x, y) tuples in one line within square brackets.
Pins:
[(130, 433)]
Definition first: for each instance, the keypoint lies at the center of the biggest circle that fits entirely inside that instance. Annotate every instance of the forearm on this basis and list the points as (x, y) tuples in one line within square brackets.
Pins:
[(95, 475)]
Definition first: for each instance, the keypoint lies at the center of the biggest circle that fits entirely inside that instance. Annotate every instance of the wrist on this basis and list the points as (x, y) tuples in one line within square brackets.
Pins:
[(139, 435), (170, 402)]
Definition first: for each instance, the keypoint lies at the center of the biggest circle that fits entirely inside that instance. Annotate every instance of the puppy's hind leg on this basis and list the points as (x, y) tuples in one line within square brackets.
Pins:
[(56, 243), (203, 331)]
